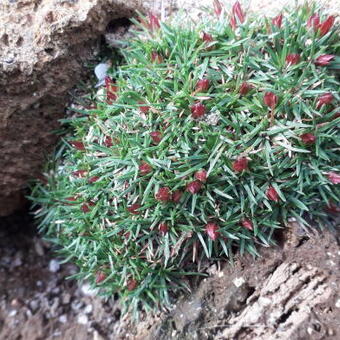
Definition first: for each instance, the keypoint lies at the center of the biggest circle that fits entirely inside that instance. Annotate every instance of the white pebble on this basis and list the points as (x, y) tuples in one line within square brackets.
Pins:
[(82, 319), (54, 266), (63, 318), (337, 304), (239, 281), (88, 309)]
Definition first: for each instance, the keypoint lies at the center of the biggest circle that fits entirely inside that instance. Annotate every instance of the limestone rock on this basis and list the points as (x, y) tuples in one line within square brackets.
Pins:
[(44, 45)]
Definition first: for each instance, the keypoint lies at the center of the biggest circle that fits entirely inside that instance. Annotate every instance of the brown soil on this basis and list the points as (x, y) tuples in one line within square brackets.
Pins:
[(38, 303)]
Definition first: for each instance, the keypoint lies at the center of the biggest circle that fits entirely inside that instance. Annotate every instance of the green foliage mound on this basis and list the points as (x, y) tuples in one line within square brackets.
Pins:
[(206, 140)]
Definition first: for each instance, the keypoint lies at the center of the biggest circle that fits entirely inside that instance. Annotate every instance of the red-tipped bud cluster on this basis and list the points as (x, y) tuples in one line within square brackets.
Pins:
[(79, 173), (308, 138), (248, 224), (100, 277), (292, 59), (207, 38), (108, 141), (194, 187), (212, 230), (217, 8), (156, 57), (323, 27), (131, 284), (176, 196), (144, 108), (111, 90), (233, 22), (85, 208), (133, 208), (245, 88), (156, 136), (153, 23), (201, 175), (324, 99), (78, 145), (70, 199), (270, 99), (202, 85), (240, 164), (333, 177), (197, 110), (324, 59), (163, 228), (237, 12), (272, 194), (277, 21), (314, 21), (144, 168), (163, 194), (93, 179)]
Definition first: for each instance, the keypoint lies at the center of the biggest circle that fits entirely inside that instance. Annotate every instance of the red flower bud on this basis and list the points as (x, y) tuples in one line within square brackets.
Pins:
[(197, 110), (194, 187), (70, 199), (156, 136), (325, 26), (333, 177), (314, 21), (237, 10), (133, 208), (217, 8), (131, 284), (201, 175), (247, 224), (100, 277), (111, 90), (163, 228), (156, 58), (324, 59), (85, 208), (211, 229), (292, 59), (332, 208), (326, 98), (270, 99), (232, 22), (245, 88), (202, 85), (163, 194), (145, 168), (153, 22), (207, 37), (79, 173), (308, 138), (93, 179), (176, 196), (240, 164), (277, 21), (108, 141), (143, 108), (78, 145), (272, 194)]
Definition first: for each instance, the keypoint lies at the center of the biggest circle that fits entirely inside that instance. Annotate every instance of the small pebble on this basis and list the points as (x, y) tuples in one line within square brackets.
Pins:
[(88, 309), (337, 304), (82, 319), (54, 266), (63, 318), (239, 281)]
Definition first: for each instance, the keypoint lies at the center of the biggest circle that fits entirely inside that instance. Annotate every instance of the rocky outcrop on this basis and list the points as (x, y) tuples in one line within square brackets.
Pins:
[(44, 45)]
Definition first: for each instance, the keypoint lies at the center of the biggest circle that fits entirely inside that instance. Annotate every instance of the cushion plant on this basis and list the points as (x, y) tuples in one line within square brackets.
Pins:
[(206, 140)]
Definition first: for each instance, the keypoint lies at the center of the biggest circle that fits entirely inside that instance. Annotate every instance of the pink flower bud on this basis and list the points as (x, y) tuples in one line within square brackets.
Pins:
[(277, 21), (194, 187), (314, 21), (85, 208), (197, 110), (272, 194), (156, 136), (153, 22), (207, 37), (93, 179), (163, 194), (79, 173), (108, 141), (325, 26), (176, 196), (233, 22), (202, 85), (144, 108), (237, 11), (133, 208), (100, 277), (324, 59), (240, 164), (326, 98), (270, 99), (212, 230), (78, 145), (308, 138), (245, 88), (156, 58), (292, 59), (247, 224), (111, 90), (217, 8), (145, 168), (163, 228), (333, 177), (201, 175), (131, 284)]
